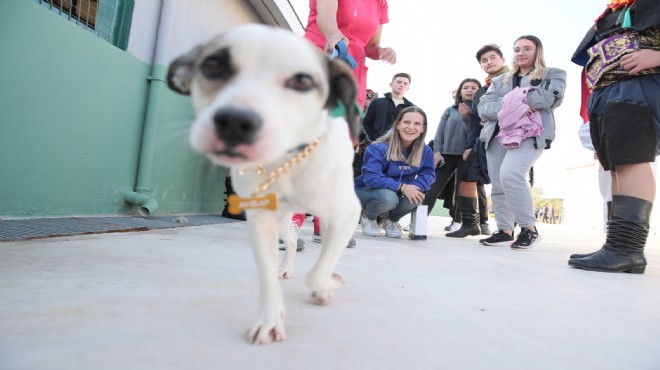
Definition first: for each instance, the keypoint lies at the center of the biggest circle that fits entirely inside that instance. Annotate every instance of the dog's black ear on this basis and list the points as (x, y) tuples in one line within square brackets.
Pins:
[(180, 71), (343, 89)]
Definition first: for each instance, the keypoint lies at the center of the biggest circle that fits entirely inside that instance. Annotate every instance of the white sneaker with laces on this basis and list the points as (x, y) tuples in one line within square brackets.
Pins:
[(392, 229), (363, 218), (370, 228)]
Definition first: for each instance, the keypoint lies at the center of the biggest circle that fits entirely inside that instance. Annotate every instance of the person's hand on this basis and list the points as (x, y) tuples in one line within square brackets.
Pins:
[(464, 109), (387, 54), (437, 157), (466, 154), (333, 40), (412, 192), (640, 60)]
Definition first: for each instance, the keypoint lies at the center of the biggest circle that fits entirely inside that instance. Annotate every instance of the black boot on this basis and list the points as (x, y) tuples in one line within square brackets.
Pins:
[(469, 218), (609, 215), (229, 190), (626, 237)]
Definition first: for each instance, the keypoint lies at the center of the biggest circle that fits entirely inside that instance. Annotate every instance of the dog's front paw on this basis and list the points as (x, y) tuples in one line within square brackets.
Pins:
[(323, 296), (267, 329)]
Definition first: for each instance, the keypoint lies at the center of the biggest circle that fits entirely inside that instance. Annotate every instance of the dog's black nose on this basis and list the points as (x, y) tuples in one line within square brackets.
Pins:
[(236, 126)]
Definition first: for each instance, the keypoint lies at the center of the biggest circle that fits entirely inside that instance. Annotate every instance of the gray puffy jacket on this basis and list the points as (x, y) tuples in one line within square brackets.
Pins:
[(548, 95)]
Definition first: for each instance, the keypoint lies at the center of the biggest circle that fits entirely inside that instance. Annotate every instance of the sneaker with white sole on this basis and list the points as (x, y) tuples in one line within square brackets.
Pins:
[(300, 244), (392, 229), (363, 217), (453, 226), (370, 228), (526, 239), (498, 238)]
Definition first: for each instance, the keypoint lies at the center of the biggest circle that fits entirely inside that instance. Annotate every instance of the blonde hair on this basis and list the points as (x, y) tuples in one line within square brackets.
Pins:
[(395, 146), (538, 71)]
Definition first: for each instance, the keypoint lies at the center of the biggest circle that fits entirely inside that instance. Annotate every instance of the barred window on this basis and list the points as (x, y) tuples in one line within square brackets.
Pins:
[(107, 19)]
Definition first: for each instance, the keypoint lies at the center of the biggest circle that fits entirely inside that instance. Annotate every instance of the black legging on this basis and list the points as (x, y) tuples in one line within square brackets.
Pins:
[(455, 212), (453, 163)]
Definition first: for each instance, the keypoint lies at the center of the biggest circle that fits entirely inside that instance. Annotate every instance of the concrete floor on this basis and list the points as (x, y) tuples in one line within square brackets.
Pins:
[(183, 299)]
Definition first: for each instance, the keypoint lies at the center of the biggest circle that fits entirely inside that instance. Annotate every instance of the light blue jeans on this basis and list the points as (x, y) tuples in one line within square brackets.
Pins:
[(377, 201), (510, 192)]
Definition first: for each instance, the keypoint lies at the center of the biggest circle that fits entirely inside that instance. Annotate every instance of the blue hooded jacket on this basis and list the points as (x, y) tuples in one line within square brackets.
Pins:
[(379, 173)]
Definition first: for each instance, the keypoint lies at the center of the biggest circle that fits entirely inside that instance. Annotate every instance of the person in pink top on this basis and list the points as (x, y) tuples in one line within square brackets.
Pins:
[(358, 23)]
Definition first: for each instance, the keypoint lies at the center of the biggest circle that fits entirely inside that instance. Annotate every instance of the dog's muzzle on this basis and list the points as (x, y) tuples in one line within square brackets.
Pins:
[(236, 126)]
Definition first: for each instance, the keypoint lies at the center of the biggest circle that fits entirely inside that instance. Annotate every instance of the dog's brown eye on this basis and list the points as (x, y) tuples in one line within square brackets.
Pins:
[(300, 82), (215, 68)]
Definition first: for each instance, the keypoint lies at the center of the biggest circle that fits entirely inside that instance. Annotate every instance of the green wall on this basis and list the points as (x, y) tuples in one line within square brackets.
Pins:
[(73, 107)]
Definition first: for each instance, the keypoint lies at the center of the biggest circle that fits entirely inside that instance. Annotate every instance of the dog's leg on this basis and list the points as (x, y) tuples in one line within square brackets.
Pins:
[(337, 231), (269, 326), (290, 237)]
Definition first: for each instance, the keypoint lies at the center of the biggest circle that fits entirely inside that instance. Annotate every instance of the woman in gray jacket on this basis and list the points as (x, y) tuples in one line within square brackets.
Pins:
[(508, 168), (450, 140)]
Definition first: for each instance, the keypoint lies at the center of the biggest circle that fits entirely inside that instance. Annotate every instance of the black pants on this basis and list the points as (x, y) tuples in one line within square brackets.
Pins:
[(453, 163), (483, 207)]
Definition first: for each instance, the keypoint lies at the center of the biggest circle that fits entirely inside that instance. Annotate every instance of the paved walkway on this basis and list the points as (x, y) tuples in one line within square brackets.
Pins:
[(183, 299)]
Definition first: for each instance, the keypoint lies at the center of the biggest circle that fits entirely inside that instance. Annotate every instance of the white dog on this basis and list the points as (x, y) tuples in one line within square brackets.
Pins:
[(261, 96)]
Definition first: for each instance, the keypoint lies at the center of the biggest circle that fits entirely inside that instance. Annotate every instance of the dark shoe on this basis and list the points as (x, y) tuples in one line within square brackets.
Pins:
[(526, 239), (584, 255), (469, 218), (300, 245), (229, 190), (627, 231), (465, 231), (227, 214), (607, 260), (316, 238), (485, 230), (498, 238)]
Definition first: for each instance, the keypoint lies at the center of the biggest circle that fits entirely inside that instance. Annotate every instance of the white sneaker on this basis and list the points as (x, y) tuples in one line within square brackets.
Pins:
[(392, 229), (370, 228), (300, 244), (293, 227), (406, 228), (363, 218)]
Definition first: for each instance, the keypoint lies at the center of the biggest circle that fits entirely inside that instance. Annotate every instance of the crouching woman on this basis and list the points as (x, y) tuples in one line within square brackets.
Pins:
[(397, 171)]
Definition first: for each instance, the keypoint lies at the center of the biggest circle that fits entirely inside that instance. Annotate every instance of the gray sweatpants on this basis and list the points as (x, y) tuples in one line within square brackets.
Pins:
[(510, 193)]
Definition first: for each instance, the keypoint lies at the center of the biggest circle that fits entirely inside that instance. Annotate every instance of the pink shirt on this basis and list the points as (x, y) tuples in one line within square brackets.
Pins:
[(358, 20)]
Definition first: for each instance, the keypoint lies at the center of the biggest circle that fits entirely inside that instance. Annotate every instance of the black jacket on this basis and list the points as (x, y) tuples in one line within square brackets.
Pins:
[(381, 115)]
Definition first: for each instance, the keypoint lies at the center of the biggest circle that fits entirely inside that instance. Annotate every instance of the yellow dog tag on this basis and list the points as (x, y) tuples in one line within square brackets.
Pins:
[(238, 204)]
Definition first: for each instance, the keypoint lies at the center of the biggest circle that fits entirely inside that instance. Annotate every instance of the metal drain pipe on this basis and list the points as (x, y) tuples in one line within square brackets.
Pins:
[(141, 197)]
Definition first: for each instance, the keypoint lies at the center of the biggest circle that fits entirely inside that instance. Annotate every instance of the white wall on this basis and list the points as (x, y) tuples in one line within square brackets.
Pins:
[(143, 29), (194, 22)]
